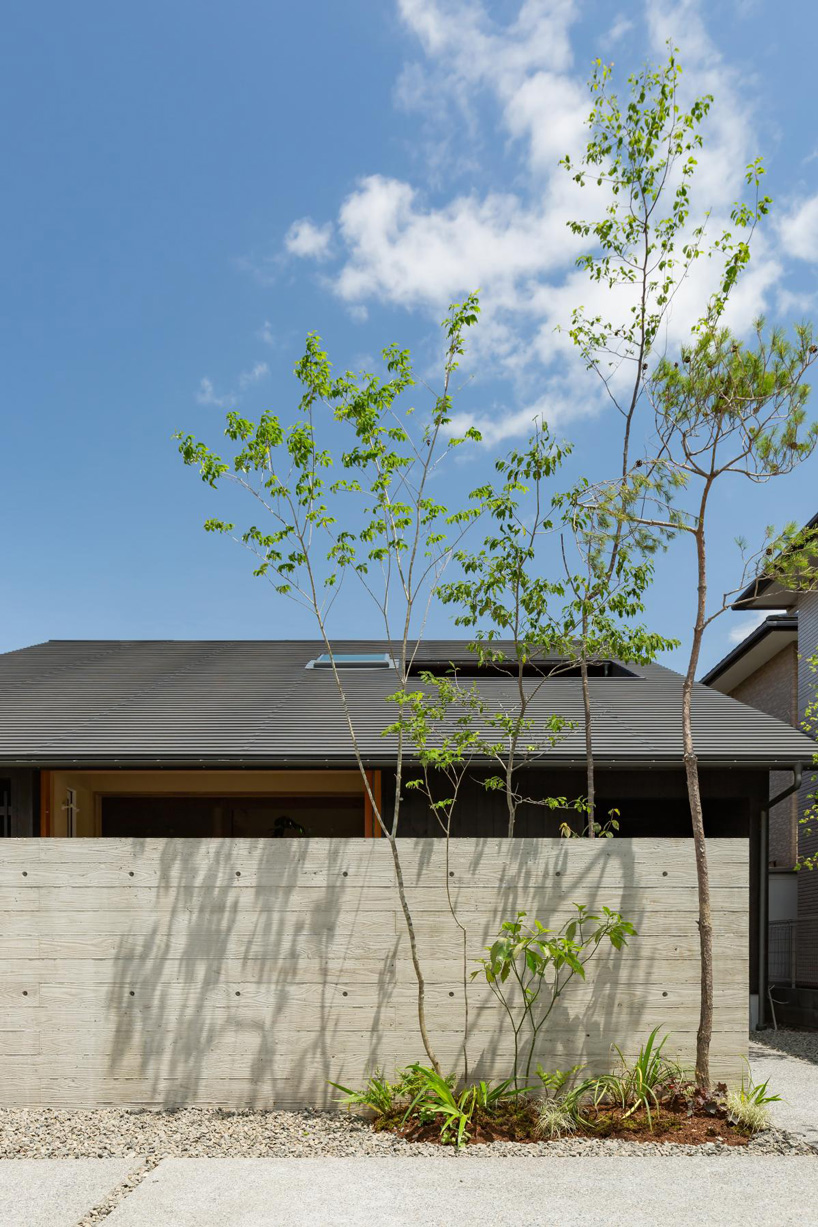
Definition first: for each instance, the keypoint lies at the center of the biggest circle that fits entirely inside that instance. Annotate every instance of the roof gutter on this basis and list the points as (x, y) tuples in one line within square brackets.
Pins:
[(93, 762), (764, 893)]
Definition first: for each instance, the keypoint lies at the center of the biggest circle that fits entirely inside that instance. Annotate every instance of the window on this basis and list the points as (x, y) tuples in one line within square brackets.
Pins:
[(353, 660)]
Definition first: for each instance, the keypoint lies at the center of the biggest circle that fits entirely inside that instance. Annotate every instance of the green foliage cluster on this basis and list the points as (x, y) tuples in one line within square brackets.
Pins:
[(528, 968), (642, 1093), (640, 1089), (747, 1104), (423, 1097)]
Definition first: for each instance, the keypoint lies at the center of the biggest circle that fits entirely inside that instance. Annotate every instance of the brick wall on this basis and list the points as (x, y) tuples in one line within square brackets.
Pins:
[(773, 689), (808, 844)]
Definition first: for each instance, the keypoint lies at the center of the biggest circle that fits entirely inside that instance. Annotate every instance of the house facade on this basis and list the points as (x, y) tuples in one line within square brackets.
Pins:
[(771, 671), (196, 905)]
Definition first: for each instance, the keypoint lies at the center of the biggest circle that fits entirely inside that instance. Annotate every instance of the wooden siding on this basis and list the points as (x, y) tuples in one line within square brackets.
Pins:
[(248, 973)]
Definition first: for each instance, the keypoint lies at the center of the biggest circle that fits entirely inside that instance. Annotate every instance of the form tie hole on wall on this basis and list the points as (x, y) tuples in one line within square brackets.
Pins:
[(451, 994), (238, 993), (131, 993), (345, 874), (664, 873), (25, 873), (664, 994), (451, 873), (130, 873), (238, 873), (558, 874), (25, 992)]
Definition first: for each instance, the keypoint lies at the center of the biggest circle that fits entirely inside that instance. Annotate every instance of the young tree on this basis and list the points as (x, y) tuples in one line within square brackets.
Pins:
[(534, 629), (724, 409), (642, 157), (606, 593), (440, 720), (641, 160), (502, 597), (346, 490)]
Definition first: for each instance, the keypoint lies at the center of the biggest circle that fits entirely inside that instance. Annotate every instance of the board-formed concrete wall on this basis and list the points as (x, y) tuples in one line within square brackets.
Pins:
[(250, 972)]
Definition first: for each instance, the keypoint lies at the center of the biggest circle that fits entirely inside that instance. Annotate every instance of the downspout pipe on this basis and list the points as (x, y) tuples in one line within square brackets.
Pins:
[(764, 892)]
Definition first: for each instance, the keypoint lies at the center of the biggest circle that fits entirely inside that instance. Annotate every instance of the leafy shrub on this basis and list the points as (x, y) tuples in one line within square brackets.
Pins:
[(529, 967)]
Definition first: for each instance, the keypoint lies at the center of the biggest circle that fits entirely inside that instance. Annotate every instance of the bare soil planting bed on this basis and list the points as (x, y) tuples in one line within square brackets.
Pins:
[(520, 1126)]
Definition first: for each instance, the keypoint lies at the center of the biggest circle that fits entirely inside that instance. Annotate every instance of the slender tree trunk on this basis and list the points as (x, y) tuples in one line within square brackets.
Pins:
[(410, 927), (705, 1031), (511, 807), (392, 837), (465, 955)]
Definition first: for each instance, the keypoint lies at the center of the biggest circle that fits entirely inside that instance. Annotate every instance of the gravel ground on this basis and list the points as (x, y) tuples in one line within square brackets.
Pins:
[(41, 1133), (800, 1044), (35, 1133)]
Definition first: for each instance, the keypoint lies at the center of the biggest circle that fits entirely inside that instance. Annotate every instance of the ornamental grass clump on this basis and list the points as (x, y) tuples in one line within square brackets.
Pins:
[(560, 1112), (655, 1094), (747, 1104)]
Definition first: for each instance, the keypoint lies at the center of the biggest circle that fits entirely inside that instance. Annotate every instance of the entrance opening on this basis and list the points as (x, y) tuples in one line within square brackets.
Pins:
[(205, 804), (283, 817)]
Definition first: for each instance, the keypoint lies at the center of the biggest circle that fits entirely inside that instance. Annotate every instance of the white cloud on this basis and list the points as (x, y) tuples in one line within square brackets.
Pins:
[(467, 52), (207, 395), (799, 230), (256, 373), (400, 251), (266, 334), (790, 302), (400, 243), (621, 26), (742, 629), (307, 240), (499, 424)]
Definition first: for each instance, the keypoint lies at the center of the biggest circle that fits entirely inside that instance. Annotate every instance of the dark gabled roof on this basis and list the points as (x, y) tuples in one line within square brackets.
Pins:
[(767, 593), (138, 702), (761, 645)]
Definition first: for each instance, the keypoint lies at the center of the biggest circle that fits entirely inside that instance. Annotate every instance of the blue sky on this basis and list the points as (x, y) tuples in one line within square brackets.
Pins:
[(190, 188)]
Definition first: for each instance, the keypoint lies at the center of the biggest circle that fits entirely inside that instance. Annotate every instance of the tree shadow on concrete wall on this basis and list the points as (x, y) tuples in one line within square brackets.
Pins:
[(265, 970), (256, 971)]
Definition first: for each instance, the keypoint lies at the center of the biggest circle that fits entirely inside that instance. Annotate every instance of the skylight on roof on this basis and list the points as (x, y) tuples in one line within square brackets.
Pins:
[(352, 660)]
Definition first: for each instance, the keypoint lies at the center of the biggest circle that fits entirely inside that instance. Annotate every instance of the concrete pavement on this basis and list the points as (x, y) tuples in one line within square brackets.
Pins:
[(768, 1191), (56, 1192), (797, 1084)]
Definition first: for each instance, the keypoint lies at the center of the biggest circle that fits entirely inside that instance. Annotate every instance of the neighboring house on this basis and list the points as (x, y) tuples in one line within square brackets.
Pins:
[(770, 671), (243, 738)]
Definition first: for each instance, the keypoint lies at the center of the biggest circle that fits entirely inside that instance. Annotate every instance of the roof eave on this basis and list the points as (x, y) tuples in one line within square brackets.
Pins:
[(782, 628), (262, 762)]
